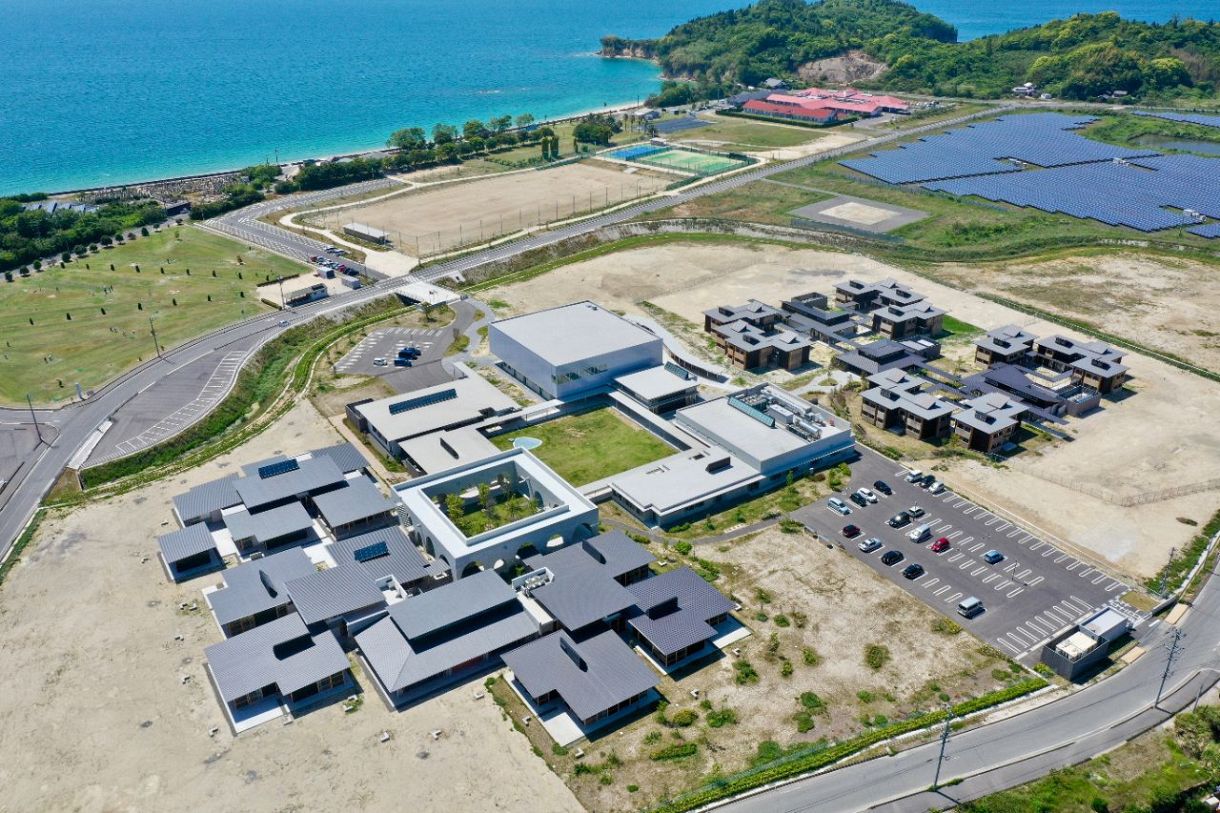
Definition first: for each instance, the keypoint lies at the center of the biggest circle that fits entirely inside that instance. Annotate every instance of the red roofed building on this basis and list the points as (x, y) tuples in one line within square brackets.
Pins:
[(851, 100), (780, 106)]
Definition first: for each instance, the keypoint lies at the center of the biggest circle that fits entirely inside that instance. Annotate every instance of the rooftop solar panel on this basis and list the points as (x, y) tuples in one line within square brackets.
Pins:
[(423, 401), (274, 469), (370, 552)]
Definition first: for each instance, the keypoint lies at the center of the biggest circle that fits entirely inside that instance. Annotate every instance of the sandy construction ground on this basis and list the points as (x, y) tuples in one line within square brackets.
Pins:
[(94, 714), (1170, 304), (1160, 438), (427, 221)]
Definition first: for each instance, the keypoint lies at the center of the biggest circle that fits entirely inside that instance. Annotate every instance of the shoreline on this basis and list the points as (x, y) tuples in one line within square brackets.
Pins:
[(610, 109)]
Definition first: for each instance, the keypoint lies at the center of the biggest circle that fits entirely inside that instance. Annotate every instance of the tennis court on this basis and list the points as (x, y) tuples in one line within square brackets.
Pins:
[(687, 161)]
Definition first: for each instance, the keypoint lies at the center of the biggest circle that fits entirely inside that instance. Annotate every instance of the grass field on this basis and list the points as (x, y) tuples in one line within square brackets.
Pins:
[(696, 162), (745, 134), (587, 447), (110, 310)]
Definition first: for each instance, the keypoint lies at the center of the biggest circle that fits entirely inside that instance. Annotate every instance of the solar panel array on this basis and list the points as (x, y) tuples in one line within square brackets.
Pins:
[(1187, 118), (370, 552), (423, 401), (282, 467), (1041, 139), (1209, 231), (1136, 194)]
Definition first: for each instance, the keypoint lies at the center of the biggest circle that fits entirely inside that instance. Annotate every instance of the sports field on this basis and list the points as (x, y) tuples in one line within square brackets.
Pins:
[(432, 220), (108, 331), (696, 162), (587, 447)]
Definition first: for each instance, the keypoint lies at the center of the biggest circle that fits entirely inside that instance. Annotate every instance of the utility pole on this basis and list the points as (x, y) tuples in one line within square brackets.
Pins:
[(1174, 648), (944, 741), (283, 304), (153, 329), (1165, 573), (34, 418)]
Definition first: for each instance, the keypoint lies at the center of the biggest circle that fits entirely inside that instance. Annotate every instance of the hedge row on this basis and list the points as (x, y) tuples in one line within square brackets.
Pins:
[(1174, 573), (257, 386), (732, 786)]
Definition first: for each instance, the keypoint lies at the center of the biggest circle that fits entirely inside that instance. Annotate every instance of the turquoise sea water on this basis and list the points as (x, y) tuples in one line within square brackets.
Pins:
[(96, 92)]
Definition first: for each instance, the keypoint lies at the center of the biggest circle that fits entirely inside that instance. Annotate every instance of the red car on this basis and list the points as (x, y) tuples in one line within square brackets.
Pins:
[(851, 531), (939, 546)]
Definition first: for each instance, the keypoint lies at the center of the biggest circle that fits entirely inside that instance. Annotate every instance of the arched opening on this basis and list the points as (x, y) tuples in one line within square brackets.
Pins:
[(471, 569), (556, 541), (527, 550)]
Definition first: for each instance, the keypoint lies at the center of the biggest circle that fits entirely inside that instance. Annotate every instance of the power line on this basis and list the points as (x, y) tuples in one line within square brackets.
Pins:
[(1174, 649)]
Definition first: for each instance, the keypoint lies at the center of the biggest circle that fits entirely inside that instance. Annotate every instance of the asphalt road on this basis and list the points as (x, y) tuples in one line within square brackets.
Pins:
[(1028, 745), (1035, 591)]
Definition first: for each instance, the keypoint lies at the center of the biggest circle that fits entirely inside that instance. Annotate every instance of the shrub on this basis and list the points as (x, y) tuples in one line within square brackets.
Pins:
[(781, 620), (799, 619), (606, 779), (876, 656), (760, 616), (680, 750), (946, 626), (632, 788), (810, 656), (721, 718), (683, 547), (787, 669), (651, 737), (745, 672), (762, 596), (558, 750), (865, 696), (804, 721), (683, 718), (583, 768), (812, 702), (790, 526)]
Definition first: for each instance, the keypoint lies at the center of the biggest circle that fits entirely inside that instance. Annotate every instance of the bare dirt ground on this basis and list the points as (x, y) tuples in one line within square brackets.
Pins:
[(813, 599), (1169, 303), (428, 221), (94, 714), (853, 66), (1160, 438)]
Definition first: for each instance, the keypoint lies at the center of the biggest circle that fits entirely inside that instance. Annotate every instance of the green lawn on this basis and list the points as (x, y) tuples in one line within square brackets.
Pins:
[(587, 447), (748, 134), (108, 331), (476, 520)]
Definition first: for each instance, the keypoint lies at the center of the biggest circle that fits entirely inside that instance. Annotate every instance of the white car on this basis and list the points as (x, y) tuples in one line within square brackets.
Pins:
[(838, 506), (913, 475), (867, 493), (936, 488), (869, 545), (380, 362)]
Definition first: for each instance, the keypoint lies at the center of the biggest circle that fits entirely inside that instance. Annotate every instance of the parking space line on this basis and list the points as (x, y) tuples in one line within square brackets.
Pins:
[(1034, 582), (1114, 586), (976, 546), (1014, 532), (1073, 566), (1049, 552), (980, 570), (966, 564), (1100, 578), (967, 540), (955, 557), (1016, 592), (954, 535), (1023, 573), (1035, 547), (1004, 585), (1086, 572), (1004, 527), (1011, 648), (991, 578), (1061, 558), (942, 589), (954, 597)]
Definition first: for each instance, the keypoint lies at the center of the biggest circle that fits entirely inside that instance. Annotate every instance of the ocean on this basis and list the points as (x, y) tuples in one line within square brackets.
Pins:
[(99, 92)]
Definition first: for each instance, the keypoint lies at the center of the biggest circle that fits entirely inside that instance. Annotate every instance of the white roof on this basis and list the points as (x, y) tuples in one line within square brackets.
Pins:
[(571, 333), (444, 450), (473, 398), (655, 382)]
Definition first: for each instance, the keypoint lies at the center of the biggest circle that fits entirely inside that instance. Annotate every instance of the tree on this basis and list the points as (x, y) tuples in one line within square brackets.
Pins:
[(500, 123), (453, 506), (443, 134), (525, 120), (474, 128), (408, 138)]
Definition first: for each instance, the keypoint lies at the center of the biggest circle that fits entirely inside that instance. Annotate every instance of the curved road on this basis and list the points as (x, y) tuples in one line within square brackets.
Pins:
[(993, 756)]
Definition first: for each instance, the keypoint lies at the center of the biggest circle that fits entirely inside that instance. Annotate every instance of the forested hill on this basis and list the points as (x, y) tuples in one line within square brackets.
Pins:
[(1078, 58)]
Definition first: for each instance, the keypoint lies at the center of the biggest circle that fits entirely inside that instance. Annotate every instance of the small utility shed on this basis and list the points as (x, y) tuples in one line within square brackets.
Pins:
[(363, 231), (189, 552)]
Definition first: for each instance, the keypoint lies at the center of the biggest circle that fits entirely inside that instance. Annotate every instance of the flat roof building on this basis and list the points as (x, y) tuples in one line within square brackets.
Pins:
[(661, 389), (572, 350), (560, 514), (363, 231)]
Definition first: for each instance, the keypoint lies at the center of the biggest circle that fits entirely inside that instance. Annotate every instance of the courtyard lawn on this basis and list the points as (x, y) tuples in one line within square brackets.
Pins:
[(502, 511), (587, 447), (86, 323)]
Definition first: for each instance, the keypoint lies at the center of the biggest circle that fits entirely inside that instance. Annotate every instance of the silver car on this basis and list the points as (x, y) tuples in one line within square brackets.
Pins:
[(869, 545)]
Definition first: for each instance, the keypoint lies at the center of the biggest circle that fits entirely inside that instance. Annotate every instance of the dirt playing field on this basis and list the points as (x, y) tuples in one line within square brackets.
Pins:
[(1160, 438), (817, 610), (1169, 304), (426, 222), (95, 716)]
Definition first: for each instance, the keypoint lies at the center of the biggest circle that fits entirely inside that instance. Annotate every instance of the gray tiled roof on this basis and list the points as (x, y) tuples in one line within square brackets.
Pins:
[(607, 673), (250, 661), (246, 589), (403, 560), (331, 593), (359, 500), (619, 552), (345, 455), (399, 665), (189, 541), (697, 602), (207, 498), (582, 595), (312, 475), (452, 603), (267, 525)]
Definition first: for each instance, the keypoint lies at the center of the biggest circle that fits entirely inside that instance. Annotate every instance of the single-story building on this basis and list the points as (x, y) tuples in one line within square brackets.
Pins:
[(678, 614), (344, 599), (256, 592), (1076, 652), (267, 530), (389, 552), (363, 231), (189, 552), (356, 508), (661, 389), (287, 480), (206, 502)]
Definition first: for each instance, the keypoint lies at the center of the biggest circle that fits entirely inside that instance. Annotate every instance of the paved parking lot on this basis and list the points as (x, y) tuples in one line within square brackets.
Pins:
[(387, 341), (1036, 590)]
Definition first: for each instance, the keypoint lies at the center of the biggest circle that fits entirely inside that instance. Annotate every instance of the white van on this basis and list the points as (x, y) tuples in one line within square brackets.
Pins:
[(920, 534), (970, 607), (838, 506)]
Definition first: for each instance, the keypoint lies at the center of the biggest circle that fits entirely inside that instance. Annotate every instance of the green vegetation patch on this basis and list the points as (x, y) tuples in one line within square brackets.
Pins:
[(589, 446), (91, 324)]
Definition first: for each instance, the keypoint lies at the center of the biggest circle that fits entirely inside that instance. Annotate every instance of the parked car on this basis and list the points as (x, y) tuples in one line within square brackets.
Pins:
[(838, 506), (899, 520), (926, 481), (883, 487), (892, 557), (939, 546), (920, 534), (867, 494), (970, 607), (993, 557), (937, 488), (408, 352), (914, 476), (869, 545), (380, 362), (858, 500), (912, 571), (851, 531), (916, 511), (402, 362)]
